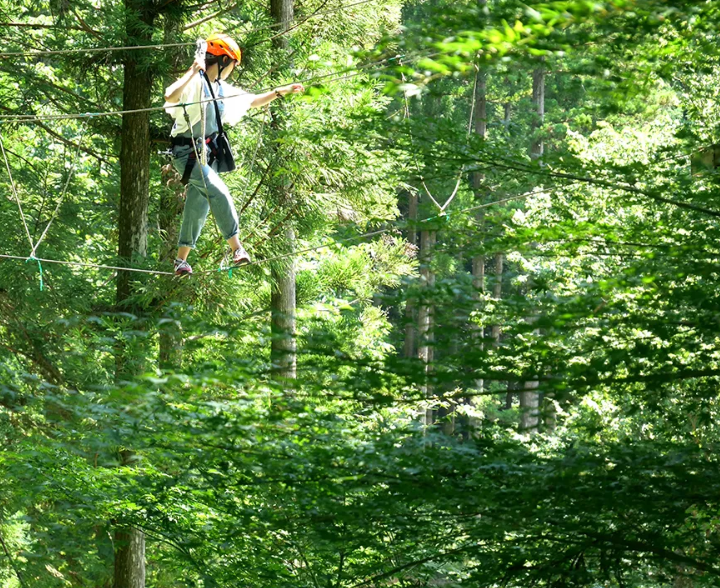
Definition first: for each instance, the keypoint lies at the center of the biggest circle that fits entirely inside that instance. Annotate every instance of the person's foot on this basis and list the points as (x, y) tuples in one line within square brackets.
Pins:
[(240, 256), (182, 268)]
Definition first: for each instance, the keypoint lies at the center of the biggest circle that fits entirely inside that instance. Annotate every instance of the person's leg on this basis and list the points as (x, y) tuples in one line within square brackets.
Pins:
[(194, 216), (234, 243), (223, 209)]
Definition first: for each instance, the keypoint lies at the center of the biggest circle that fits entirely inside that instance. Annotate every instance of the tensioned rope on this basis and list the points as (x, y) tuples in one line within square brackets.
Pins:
[(73, 166), (8, 54), (414, 155), (28, 118), (14, 191), (286, 255), (34, 246)]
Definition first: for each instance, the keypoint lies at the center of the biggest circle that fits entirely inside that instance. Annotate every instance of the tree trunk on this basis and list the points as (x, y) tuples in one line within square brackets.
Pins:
[(171, 203), (497, 291), (538, 99), (529, 396), (129, 564), (134, 159), (507, 110), (478, 262), (529, 405), (129, 559), (425, 315), (283, 347), (283, 303), (409, 348)]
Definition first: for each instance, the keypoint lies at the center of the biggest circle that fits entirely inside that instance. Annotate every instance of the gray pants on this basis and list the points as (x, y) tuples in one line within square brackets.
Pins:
[(212, 193)]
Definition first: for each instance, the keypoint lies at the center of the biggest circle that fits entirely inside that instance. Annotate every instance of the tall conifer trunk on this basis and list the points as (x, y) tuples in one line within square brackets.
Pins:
[(129, 564), (170, 341), (283, 353), (478, 261), (134, 150), (129, 569), (425, 314), (282, 302), (409, 344), (529, 396)]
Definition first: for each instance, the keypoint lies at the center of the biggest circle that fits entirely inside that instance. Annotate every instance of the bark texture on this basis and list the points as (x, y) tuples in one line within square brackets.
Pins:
[(283, 352), (134, 160), (410, 306), (538, 100), (425, 314), (529, 406), (529, 396), (478, 261), (129, 562), (170, 339), (497, 290), (283, 346), (129, 559)]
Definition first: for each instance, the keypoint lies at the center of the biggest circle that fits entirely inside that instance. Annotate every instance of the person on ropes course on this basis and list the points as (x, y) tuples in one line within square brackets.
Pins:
[(198, 133)]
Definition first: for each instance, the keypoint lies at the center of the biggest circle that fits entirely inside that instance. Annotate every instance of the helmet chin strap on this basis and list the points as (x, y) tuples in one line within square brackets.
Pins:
[(222, 64)]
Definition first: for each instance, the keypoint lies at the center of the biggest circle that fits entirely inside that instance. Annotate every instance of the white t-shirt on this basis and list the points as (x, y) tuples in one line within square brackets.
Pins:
[(236, 102)]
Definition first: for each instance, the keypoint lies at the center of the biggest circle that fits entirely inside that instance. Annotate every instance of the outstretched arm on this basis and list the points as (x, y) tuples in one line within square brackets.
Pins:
[(173, 92), (267, 97)]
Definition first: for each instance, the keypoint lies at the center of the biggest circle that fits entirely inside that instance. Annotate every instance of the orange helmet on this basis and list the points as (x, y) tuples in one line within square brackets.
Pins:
[(220, 44)]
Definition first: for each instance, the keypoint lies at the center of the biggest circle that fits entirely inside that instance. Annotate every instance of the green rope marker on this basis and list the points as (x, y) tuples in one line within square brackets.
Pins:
[(229, 270), (33, 258)]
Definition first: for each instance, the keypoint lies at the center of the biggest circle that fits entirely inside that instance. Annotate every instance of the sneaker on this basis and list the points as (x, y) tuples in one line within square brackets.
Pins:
[(240, 256), (182, 268)]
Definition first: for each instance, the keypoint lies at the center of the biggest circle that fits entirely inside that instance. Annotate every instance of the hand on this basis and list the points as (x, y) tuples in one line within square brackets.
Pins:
[(198, 64), (291, 89)]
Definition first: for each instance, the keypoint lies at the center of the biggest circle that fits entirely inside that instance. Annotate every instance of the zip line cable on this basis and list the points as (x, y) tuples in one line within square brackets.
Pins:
[(9, 54), (417, 166), (29, 118), (14, 191), (90, 50), (60, 200), (276, 257)]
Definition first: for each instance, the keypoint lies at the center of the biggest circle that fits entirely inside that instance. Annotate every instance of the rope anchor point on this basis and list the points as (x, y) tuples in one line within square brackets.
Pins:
[(32, 257)]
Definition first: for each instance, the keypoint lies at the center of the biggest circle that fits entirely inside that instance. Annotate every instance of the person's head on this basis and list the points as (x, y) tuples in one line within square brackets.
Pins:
[(223, 52)]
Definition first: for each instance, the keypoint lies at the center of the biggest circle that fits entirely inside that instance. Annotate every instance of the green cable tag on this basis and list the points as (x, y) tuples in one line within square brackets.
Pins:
[(229, 270), (33, 258)]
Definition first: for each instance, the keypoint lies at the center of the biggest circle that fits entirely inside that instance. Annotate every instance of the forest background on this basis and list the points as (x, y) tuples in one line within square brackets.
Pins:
[(477, 346)]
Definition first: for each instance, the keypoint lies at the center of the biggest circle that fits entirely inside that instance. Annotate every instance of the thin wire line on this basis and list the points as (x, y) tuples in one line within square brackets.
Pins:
[(184, 44), (470, 121), (95, 265), (62, 197), (28, 118), (91, 50), (277, 257), (14, 189), (417, 165)]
